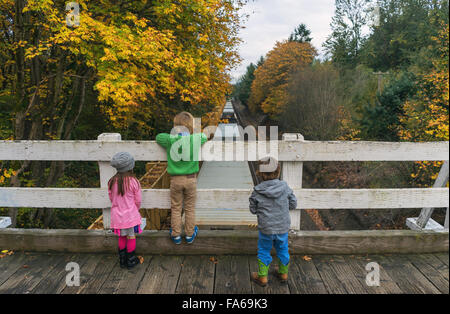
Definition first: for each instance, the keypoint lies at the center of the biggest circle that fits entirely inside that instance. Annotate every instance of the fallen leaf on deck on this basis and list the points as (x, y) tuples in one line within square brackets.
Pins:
[(307, 258), (141, 259), (5, 253), (213, 259)]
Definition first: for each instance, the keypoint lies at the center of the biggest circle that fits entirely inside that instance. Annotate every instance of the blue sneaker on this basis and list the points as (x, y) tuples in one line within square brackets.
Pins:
[(191, 239), (176, 240)]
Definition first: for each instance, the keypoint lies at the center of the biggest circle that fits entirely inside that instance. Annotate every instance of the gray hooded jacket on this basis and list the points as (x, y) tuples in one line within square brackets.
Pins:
[(271, 201)]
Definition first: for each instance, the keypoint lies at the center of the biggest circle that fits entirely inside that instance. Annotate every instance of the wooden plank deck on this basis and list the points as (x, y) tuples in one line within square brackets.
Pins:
[(337, 274)]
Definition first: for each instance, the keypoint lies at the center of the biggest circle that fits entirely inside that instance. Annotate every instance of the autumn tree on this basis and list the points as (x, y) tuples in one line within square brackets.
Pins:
[(140, 61), (426, 115), (269, 89)]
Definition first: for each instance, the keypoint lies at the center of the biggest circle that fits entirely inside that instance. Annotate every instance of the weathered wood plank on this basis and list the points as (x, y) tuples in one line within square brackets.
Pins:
[(27, 277), (424, 263), (223, 198), (93, 274), (370, 151), (407, 277), (368, 242), (229, 242), (304, 277), (329, 278), (101, 272), (440, 266), (197, 276), (124, 281), (113, 280), (274, 286), (443, 257), (55, 281), (346, 275), (162, 275), (132, 279), (88, 263), (45, 273), (214, 151), (10, 264), (435, 262), (387, 284), (232, 275)]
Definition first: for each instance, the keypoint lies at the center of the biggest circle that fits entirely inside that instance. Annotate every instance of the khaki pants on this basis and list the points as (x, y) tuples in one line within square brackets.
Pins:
[(183, 188)]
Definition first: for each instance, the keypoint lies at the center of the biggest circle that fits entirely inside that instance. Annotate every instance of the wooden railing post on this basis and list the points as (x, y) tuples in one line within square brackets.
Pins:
[(106, 172), (424, 218), (292, 173)]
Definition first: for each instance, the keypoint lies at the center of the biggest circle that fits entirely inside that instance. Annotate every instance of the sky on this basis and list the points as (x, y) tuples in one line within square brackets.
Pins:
[(274, 20)]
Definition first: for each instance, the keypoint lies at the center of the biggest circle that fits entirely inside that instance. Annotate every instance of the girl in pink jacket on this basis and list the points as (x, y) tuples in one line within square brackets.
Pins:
[(125, 194)]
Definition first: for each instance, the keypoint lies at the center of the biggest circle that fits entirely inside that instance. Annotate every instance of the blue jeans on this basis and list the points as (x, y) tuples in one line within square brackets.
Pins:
[(265, 243)]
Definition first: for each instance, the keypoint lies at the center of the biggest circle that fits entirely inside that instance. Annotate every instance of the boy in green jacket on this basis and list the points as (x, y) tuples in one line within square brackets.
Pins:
[(182, 165)]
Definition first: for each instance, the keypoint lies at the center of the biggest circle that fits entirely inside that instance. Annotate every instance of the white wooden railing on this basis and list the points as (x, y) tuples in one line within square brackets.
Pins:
[(293, 150)]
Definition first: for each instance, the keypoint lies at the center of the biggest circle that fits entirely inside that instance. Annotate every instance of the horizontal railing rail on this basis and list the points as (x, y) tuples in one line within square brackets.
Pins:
[(216, 150), (292, 151), (228, 198)]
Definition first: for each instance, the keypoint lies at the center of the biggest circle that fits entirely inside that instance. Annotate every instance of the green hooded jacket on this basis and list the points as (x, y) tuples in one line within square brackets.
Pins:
[(181, 150)]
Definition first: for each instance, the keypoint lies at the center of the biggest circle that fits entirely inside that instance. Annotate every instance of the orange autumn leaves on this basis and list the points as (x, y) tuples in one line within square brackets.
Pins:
[(269, 89)]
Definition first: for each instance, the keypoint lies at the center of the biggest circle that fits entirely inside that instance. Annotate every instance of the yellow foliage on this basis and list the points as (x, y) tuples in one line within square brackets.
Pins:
[(179, 57), (426, 116), (268, 91)]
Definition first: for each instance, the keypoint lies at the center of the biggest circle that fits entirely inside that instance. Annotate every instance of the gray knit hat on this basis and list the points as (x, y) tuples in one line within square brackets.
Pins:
[(123, 162)]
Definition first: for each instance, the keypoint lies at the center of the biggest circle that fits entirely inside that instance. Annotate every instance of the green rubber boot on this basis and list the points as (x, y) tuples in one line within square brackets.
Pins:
[(283, 271), (263, 270), (260, 277)]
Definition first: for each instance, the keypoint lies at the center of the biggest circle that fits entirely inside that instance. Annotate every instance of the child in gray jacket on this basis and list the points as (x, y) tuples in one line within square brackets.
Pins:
[(271, 201)]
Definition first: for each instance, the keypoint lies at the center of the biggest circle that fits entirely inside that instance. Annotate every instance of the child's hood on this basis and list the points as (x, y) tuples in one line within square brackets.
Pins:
[(272, 188)]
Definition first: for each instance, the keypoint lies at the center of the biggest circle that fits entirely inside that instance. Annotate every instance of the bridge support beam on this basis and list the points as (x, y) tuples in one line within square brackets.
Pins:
[(424, 221), (228, 242), (5, 222)]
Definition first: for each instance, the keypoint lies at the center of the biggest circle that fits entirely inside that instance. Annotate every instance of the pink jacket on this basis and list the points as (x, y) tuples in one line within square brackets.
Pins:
[(125, 209)]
